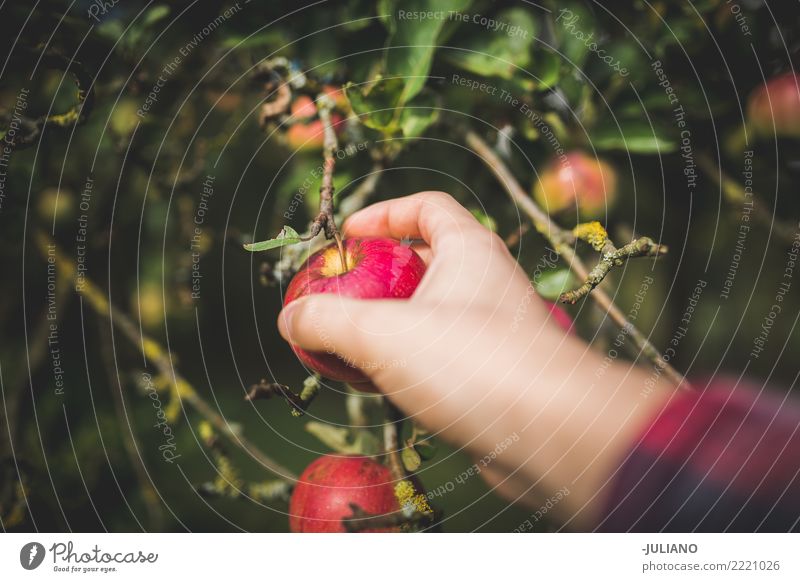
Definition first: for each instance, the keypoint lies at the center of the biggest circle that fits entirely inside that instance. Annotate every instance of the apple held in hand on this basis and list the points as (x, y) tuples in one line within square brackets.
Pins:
[(328, 486), (775, 106), (377, 268)]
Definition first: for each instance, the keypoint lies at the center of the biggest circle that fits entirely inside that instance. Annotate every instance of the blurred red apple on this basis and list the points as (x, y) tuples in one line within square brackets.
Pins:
[(774, 108), (307, 133), (377, 268), (561, 318), (328, 486), (581, 181)]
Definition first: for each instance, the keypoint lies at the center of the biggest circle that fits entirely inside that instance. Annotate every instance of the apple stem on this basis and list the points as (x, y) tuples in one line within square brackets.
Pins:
[(326, 220), (342, 255)]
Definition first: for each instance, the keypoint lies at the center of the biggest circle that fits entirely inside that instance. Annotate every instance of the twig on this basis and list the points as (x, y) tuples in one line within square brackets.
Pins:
[(293, 255), (325, 220), (513, 238), (229, 484), (596, 235), (299, 403), (361, 521), (561, 241), (277, 84), (278, 106), (74, 116), (734, 193), (391, 441), (264, 492), (153, 352)]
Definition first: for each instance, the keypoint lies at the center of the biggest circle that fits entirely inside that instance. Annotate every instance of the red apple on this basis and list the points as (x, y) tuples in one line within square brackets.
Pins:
[(561, 318), (581, 181), (303, 108), (325, 490), (377, 268), (775, 106), (307, 133)]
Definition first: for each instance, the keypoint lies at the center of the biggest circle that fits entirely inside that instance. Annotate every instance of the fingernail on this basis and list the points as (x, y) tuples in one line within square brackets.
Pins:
[(285, 319)]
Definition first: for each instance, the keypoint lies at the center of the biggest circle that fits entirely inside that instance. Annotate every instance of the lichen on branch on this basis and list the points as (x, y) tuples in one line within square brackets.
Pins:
[(594, 234)]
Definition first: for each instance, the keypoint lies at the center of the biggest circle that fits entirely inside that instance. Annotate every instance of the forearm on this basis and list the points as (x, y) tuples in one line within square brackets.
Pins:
[(580, 419)]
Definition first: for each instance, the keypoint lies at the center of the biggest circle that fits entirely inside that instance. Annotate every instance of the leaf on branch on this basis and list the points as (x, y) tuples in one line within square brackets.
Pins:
[(485, 219), (336, 438), (425, 449), (411, 47), (639, 137), (551, 284), (299, 403), (287, 236), (411, 458), (418, 115), (505, 54), (375, 104)]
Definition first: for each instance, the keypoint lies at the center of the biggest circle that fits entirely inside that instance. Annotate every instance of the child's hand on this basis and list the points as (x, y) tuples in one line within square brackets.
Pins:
[(475, 355)]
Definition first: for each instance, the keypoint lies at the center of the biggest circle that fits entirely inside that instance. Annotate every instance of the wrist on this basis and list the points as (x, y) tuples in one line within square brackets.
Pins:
[(582, 417)]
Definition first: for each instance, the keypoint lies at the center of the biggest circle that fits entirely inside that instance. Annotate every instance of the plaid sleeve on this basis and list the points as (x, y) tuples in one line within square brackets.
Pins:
[(723, 458)]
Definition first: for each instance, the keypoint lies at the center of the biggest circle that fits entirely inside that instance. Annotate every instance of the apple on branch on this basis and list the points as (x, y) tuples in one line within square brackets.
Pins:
[(774, 108), (579, 181), (329, 485)]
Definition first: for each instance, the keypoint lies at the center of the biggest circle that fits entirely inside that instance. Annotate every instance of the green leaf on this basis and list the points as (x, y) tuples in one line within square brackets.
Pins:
[(342, 440), (366, 443), (574, 29), (143, 28), (155, 14), (484, 219), (376, 108), (636, 136), (551, 284), (425, 449), (334, 437), (385, 10), (418, 115), (375, 103), (548, 69), (287, 236), (411, 458), (500, 53), (411, 47)]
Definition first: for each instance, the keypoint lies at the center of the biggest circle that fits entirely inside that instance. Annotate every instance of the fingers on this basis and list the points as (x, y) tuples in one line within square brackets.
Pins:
[(358, 330), (435, 217), (461, 251), (423, 250)]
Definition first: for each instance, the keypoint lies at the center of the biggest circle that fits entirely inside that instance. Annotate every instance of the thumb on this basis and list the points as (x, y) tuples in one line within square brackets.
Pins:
[(357, 329)]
